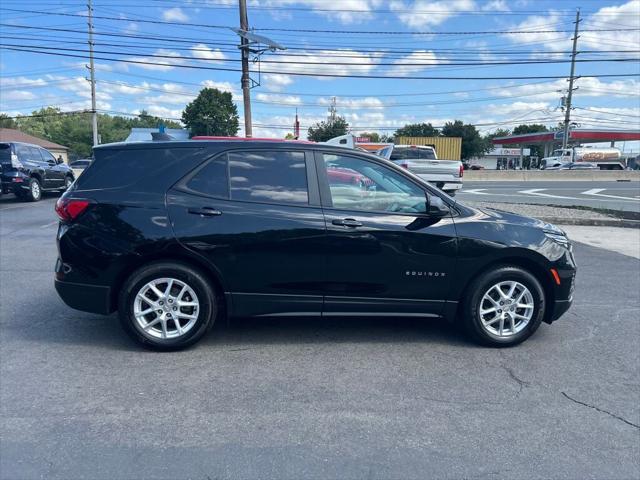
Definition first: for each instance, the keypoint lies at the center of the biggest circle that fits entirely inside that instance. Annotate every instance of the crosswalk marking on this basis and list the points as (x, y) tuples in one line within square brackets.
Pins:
[(596, 193), (537, 192), (477, 191)]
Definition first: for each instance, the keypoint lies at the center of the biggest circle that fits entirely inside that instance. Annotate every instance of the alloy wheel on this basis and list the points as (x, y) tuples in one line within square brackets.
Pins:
[(506, 308), (35, 189), (166, 308)]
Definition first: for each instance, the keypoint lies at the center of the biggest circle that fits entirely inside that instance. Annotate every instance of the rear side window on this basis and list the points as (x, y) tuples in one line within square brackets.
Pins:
[(268, 176), (211, 179), (119, 168), (27, 154), (5, 153), (413, 154)]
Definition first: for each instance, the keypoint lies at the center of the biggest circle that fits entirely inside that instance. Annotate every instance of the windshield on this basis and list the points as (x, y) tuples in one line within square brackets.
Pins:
[(5, 153), (412, 154)]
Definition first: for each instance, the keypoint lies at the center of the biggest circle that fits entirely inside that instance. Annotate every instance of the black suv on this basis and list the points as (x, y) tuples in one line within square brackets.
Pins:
[(175, 235), (28, 170)]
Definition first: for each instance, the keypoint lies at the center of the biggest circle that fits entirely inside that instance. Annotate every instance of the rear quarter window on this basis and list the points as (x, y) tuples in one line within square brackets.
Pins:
[(154, 168), (5, 153)]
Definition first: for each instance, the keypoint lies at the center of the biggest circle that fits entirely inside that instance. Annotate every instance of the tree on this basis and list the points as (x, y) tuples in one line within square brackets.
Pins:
[(212, 113), (500, 132), (372, 136), (417, 130), (533, 128), (473, 145), (325, 130), (6, 121), (536, 150)]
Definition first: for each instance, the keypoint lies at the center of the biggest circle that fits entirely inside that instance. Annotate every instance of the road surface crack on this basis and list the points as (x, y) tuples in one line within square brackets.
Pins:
[(601, 410)]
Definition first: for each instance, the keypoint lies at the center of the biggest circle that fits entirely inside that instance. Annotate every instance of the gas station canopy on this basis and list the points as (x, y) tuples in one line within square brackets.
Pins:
[(575, 136)]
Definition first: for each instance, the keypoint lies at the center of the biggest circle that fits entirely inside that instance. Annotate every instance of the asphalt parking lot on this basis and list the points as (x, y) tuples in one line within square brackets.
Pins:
[(300, 398)]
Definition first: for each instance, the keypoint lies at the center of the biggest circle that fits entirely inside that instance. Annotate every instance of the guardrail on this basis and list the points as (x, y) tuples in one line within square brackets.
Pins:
[(551, 176)]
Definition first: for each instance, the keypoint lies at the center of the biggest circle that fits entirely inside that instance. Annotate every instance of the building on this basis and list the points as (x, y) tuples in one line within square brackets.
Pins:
[(11, 135), (145, 134), (507, 158)]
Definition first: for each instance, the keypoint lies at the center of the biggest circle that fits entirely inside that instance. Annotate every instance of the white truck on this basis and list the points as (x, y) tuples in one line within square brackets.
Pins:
[(604, 157), (420, 160)]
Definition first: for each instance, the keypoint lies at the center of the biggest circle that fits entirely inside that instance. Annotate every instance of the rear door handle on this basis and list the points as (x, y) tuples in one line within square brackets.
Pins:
[(347, 222), (205, 212)]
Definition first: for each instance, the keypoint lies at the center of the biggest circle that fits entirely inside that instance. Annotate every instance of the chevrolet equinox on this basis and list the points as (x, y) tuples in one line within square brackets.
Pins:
[(176, 235)]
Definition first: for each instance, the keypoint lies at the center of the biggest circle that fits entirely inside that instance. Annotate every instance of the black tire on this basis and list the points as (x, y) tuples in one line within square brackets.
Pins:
[(34, 194), (68, 180), (470, 311), (206, 313), (451, 193)]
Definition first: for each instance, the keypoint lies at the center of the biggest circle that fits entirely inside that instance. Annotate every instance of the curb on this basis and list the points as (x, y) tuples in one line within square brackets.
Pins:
[(593, 222)]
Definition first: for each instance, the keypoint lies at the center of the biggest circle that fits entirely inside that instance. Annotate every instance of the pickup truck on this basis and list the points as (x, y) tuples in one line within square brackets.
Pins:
[(418, 159), (423, 161)]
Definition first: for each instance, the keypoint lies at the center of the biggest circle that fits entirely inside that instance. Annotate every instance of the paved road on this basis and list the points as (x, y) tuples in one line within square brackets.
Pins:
[(610, 195), (296, 398)]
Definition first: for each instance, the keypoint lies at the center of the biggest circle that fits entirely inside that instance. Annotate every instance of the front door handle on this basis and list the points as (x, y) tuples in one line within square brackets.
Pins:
[(347, 222), (205, 212)]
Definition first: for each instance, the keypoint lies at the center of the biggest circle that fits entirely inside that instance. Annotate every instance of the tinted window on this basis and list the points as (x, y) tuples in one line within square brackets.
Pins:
[(5, 153), (47, 156), (211, 179), (24, 153), (358, 184), (154, 167), (413, 154), (276, 176)]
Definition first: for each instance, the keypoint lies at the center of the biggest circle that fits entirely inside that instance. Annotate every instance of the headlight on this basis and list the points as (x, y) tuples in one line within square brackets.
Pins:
[(558, 236)]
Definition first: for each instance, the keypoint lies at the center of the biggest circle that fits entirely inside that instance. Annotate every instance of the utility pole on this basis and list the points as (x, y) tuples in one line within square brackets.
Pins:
[(333, 111), (567, 112), (246, 81), (94, 114)]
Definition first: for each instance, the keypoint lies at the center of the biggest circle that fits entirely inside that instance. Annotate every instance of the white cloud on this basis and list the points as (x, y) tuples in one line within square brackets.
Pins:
[(18, 95), (338, 62), (163, 112), (427, 13), (175, 15), (616, 17), (275, 82), (414, 63), (587, 87), (555, 42), (353, 103), (22, 82), (279, 99), (343, 11), (159, 64), (203, 52), (496, 6)]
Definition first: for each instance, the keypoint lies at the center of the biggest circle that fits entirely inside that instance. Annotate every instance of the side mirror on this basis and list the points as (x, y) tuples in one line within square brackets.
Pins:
[(436, 207), (52, 162)]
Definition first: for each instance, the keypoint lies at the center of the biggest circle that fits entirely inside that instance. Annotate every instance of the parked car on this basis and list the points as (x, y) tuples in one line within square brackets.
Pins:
[(200, 230), (29, 170), (423, 161), (81, 164)]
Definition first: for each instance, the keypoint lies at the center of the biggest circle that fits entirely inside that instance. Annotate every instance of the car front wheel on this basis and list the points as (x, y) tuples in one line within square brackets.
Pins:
[(505, 306), (167, 306)]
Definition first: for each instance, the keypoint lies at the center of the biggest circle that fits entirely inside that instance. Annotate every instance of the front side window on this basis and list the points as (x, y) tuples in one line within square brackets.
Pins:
[(47, 156), (358, 184), (268, 176)]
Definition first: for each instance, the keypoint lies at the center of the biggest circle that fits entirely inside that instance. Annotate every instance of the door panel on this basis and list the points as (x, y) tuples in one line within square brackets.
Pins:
[(385, 262), (269, 255)]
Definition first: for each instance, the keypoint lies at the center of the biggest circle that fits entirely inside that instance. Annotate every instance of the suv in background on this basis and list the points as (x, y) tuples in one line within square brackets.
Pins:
[(29, 170), (199, 230)]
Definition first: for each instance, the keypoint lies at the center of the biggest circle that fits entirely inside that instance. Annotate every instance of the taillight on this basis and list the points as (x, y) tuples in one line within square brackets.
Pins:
[(70, 209), (15, 163), (461, 172)]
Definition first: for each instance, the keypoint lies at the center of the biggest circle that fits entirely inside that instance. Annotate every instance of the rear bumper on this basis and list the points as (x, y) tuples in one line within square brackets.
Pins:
[(88, 298)]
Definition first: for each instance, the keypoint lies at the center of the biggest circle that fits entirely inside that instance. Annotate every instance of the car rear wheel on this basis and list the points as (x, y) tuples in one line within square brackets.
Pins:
[(505, 306), (167, 306), (34, 194)]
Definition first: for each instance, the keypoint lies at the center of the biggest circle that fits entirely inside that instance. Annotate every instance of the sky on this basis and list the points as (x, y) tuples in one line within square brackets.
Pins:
[(417, 60)]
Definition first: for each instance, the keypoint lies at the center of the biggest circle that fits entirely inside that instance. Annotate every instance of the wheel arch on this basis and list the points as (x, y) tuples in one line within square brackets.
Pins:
[(212, 274), (535, 266)]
